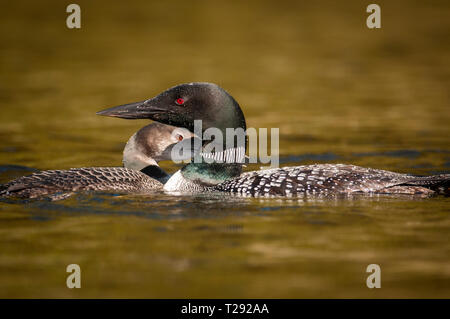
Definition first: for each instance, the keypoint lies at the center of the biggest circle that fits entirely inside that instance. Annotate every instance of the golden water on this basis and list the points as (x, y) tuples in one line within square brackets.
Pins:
[(338, 91)]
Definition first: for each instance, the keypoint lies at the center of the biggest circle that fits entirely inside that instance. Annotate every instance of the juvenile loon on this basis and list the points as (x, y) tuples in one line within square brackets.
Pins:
[(181, 105), (141, 174)]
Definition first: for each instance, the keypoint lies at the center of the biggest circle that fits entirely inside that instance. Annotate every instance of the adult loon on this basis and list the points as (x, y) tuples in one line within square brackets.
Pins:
[(181, 105), (140, 174)]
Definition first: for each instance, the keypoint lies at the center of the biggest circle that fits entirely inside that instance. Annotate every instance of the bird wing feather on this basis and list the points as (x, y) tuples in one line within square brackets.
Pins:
[(80, 179)]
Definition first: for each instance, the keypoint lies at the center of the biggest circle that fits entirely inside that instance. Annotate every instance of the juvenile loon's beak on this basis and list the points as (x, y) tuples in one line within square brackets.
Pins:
[(136, 110)]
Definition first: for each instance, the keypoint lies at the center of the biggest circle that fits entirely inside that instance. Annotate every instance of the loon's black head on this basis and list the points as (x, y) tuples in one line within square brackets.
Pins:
[(184, 103)]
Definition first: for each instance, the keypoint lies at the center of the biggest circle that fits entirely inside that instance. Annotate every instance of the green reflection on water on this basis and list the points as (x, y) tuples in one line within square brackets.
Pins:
[(375, 98)]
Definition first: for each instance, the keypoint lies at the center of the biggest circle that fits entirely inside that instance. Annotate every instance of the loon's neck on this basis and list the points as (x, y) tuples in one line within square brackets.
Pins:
[(207, 173), (211, 174), (197, 177), (156, 172), (134, 156)]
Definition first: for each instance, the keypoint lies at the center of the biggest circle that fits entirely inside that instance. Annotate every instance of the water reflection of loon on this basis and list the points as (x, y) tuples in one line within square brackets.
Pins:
[(182, 104), (141, 174)]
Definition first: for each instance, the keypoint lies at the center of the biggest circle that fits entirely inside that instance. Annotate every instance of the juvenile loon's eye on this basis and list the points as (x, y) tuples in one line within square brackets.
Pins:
[(179, 137), (179, 101)]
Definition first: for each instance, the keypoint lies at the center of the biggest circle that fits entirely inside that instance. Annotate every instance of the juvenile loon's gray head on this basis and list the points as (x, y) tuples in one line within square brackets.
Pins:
[(184, 103), (154, 143)]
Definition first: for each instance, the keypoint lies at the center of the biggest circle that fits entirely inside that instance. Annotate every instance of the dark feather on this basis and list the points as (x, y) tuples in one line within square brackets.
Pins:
[(48, 183)]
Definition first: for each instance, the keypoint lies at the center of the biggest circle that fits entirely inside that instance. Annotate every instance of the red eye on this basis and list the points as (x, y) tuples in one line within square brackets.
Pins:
[(180, 101), (179, 137)]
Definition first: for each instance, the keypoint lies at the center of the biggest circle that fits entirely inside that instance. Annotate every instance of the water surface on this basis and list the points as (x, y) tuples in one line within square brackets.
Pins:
[(339, 92)]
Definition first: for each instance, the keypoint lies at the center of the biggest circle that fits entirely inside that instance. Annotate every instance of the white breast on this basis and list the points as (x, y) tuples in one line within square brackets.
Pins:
[(177, 183)]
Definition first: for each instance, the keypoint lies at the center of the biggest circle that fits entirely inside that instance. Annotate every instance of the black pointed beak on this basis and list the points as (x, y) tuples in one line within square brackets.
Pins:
[(137, 110)]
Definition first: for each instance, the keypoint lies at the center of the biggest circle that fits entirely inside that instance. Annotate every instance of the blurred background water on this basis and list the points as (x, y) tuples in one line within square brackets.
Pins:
[(338, 91)]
